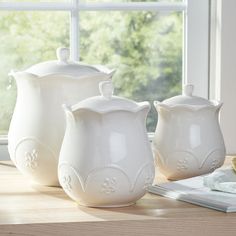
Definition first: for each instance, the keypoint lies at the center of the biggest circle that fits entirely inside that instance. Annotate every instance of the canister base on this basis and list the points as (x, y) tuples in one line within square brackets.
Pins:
[(106, 206)]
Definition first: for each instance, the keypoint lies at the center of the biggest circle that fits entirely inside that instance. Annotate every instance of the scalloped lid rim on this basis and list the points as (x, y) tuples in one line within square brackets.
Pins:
[(101, 104), (107, 102), (57, 67), (64, 66), (187, 98)]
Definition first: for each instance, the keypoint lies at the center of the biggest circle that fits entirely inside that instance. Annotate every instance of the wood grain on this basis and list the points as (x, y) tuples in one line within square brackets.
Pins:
[(27, 209)]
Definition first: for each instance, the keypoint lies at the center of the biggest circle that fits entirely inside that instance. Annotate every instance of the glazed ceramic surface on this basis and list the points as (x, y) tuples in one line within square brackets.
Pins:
[(38, 123), (188, 140), (106, 158)]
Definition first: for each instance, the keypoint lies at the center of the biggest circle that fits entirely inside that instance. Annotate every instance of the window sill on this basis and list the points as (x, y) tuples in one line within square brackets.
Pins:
[(3, 140)]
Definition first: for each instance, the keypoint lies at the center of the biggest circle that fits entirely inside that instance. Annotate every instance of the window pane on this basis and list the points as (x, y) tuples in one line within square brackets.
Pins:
[(145, 47), (26, 38), (131, 1), (36, 1)]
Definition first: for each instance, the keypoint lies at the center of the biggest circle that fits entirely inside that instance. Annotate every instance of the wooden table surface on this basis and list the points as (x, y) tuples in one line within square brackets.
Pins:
[(27, 209)]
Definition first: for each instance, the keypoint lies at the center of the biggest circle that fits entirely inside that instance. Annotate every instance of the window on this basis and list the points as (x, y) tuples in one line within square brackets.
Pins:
[(154, 45)]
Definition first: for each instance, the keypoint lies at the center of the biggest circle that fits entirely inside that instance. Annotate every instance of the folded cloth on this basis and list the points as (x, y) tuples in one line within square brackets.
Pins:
[(222, 180)]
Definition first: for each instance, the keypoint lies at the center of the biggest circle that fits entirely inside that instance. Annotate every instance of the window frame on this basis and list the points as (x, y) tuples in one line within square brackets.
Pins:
[(222, 67), (195, 55)]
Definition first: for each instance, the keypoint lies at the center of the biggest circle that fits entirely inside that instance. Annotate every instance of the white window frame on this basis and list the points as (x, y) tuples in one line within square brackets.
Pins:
[(196, 26), (222, 67)]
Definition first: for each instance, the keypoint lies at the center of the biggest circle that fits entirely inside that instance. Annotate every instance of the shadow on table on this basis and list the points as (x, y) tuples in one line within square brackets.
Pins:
[(56, 192), (7, 164), (146, 207), (152, 208)]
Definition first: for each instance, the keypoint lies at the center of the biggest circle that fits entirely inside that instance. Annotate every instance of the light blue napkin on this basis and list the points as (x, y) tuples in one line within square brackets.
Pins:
[(222, 180)]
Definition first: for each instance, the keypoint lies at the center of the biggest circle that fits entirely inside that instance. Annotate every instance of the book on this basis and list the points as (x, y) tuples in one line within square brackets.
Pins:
[(193, 191)]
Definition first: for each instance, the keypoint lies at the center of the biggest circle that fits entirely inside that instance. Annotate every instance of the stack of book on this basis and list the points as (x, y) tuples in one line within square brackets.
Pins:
[(193, 191)]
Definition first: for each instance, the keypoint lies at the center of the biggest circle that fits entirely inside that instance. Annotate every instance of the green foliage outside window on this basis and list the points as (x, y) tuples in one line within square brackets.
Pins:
[(144, 47)]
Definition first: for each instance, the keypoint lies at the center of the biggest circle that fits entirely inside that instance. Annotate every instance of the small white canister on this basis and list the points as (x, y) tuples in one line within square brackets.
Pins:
[(106, 158), (188, 139)]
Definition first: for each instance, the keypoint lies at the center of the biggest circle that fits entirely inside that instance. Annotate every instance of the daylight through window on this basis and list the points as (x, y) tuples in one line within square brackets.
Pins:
[(144, 44)]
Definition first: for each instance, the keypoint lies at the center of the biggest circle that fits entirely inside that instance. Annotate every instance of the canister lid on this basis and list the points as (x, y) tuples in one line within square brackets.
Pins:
[(108, 102), (62, 66), (187, 98)]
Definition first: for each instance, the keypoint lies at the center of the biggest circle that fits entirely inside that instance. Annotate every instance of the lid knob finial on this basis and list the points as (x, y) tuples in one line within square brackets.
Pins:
[(188, 90), (106, 89), (63, 54)]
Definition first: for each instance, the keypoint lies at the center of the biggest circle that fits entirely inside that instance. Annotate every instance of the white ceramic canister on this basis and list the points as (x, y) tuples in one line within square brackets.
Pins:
[(106, 158), (188, 139), (38, 123)]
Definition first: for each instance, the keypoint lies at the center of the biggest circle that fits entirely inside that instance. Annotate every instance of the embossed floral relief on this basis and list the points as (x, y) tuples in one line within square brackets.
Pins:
[(182, 164), (214, 164), (66, 182), (109, 185), (31, 159), (148, 180)]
